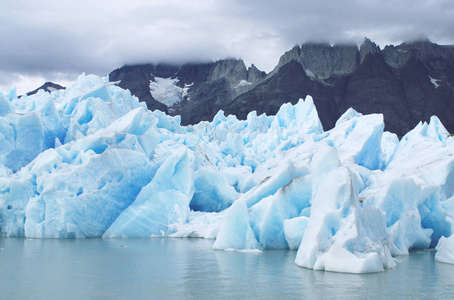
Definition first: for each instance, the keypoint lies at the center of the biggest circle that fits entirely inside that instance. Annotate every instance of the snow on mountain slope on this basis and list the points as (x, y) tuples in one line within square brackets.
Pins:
[(166, 91)]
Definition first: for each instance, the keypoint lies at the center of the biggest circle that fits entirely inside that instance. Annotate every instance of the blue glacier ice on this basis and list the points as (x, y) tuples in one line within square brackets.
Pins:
[(445, 250), (236, 232), (91, 161), (341, 235), (162, 202)]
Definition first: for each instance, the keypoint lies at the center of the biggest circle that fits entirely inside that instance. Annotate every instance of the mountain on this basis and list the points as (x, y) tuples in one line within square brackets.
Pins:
[(48, 87), (199, 90), (408, 83)]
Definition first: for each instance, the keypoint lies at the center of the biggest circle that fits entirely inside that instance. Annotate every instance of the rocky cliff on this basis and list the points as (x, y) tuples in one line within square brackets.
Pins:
[(47, 87)]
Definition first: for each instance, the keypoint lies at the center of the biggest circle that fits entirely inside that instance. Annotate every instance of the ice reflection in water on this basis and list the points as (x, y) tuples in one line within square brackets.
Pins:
[(190, 269)]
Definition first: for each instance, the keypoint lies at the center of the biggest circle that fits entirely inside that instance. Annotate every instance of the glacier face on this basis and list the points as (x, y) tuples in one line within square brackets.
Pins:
[(91, 161)]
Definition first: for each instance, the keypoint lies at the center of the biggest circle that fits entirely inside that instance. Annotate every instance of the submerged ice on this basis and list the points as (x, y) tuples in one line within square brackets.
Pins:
[(91, 161)]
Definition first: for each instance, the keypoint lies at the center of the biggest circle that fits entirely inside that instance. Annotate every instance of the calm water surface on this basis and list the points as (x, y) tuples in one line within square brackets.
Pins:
[(190, 269)]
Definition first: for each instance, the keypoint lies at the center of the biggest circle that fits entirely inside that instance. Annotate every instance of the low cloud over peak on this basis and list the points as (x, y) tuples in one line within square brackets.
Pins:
[(45, 38)]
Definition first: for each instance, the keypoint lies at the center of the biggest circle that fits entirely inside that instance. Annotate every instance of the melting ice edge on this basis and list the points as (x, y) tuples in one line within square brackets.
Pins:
[(91, 161)]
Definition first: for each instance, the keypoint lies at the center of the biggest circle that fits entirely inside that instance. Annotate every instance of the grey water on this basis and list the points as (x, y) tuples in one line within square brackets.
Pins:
[(189, 269)]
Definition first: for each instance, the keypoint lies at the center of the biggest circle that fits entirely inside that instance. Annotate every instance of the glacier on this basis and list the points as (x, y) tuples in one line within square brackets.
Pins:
[(91, 161)]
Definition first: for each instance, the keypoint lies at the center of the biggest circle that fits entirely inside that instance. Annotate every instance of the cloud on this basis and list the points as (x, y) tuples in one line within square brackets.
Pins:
[(384, 21), (41, 38), (26, 82)]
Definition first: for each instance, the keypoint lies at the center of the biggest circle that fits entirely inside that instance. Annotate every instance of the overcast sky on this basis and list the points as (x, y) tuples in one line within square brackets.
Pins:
[(56, 40)]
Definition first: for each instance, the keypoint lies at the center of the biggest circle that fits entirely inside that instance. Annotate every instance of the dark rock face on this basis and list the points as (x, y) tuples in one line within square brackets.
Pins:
[(211, 85), (48, 87), (407, 83), (400, 82), (289, 84), (137, 80), (374, 87)]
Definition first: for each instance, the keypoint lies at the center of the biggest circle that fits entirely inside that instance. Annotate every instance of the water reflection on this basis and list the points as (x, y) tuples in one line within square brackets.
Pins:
[(190, 269)]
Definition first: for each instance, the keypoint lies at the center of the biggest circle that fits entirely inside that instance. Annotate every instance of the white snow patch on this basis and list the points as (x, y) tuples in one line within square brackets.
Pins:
[(435, 82), (310, 74), (111, 83), (166, 91), (243, 83), (185, 91), (198, 225), (253, 251)]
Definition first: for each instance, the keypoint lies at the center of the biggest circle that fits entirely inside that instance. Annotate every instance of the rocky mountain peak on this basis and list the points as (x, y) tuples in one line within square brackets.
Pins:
[(423, 50), (233, 70), (326, 61), (367, 47), (254, 75), (321, 60), (293, 54), (48, 87)]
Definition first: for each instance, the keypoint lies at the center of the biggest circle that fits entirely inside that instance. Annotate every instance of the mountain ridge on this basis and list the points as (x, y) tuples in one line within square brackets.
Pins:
[(407, 83)]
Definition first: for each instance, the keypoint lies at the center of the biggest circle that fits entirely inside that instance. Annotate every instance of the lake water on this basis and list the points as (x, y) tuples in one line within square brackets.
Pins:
[(190, 269)]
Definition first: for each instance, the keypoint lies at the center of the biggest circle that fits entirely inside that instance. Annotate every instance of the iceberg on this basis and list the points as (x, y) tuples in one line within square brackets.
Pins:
[(91, 161), (340, 235), (213, 192), (445, 250), (162, 202)]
